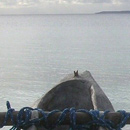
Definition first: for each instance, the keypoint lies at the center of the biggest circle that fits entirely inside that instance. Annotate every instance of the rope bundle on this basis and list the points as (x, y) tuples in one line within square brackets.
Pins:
[(98, 119)]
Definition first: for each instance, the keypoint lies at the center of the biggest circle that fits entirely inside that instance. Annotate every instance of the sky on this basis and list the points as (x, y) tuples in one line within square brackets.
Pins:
[(61, 6)]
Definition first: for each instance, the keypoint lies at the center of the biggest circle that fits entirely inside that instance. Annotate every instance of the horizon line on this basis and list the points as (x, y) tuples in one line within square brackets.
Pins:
[(98, 12)]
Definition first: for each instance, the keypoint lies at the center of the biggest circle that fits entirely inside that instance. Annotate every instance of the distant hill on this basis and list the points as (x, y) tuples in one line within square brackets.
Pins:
[(114, 12)]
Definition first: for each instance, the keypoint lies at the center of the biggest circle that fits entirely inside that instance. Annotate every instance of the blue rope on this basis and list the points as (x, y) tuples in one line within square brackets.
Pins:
[(124, 119), (73, 118), (8, 115), (98, 119), (62, 116)]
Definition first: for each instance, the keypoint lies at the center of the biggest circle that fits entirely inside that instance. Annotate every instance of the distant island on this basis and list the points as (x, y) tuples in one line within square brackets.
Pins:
[(114, 12)]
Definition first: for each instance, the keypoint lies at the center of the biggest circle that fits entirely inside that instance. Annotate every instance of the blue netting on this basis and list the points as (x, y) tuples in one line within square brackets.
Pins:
[(98, 119)]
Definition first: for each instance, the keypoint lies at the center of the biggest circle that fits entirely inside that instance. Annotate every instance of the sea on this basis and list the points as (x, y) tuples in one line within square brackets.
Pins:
[(37, 51)]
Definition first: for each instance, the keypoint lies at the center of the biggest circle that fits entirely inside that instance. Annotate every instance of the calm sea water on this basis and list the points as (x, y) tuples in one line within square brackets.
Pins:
[(37, 51)]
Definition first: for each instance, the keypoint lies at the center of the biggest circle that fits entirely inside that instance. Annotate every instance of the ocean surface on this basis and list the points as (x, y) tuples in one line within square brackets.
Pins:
[(37, 51)]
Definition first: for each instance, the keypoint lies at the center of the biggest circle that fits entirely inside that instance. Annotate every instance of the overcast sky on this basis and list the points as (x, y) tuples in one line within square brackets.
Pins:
[(61, 6)]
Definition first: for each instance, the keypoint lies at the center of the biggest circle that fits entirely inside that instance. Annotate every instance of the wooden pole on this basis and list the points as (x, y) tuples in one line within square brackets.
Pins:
[(81, 118)]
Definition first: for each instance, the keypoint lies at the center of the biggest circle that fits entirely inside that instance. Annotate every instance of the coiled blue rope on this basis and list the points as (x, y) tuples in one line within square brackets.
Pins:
[(26, 122)]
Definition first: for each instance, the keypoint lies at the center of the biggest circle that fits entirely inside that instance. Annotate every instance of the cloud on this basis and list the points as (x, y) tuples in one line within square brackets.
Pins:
[(18, 3), (60, 6), (8, 3), (121, 1), (21, 3)]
